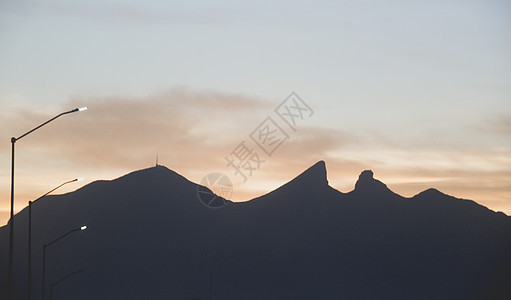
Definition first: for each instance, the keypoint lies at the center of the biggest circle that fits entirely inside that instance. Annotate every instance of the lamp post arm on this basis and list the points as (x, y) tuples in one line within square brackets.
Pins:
[(61, 237), (59, 115), (67, 276), (55, 189), (62, 279)]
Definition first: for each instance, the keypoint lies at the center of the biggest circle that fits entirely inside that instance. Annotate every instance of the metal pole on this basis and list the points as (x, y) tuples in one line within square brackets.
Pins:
[(11, 227), (29, 283), (44, 270), (211, 286), (51, 243)]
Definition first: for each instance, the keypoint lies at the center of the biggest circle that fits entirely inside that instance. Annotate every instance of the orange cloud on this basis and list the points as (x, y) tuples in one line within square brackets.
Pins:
[(193, 132)]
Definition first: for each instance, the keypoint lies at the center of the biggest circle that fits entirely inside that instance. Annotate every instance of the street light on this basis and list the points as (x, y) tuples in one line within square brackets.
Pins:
[(62, 279), (51, 243), (11, 226), (29, 284)]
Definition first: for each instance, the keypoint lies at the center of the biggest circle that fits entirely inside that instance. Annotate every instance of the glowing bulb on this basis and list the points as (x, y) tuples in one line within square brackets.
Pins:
[(79, 179), (83, 227), (82, 108)]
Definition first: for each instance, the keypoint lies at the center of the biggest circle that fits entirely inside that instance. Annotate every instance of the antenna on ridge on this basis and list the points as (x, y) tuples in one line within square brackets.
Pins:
[(156, 159)]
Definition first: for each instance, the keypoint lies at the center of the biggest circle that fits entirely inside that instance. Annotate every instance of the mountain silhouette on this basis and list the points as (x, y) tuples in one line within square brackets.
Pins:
[(150, 237)]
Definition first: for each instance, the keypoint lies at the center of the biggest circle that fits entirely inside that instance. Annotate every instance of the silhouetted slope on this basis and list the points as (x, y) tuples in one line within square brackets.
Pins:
[(149, 236)]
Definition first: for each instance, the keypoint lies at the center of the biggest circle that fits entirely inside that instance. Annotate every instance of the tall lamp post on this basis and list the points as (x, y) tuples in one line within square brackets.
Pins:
[(62, 279), (51, 243), (11, 226), (29, 283)]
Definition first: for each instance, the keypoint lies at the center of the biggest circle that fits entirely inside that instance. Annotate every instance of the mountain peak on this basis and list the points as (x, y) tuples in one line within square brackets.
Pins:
[(367, 182), (431, 192), (316, 172), (365, 178), (366, 175), (319, 168), (313, 176)]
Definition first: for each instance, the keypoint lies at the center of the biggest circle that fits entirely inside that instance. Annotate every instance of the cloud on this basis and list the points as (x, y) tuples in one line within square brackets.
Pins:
[(500, 125), (114, 131), (190, 130), (193, 132)]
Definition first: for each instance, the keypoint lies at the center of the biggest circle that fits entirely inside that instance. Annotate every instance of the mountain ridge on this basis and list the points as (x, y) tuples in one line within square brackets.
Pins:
[(150, 236), (316, 173)]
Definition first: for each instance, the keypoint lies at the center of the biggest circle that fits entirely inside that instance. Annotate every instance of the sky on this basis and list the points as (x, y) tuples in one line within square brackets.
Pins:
[(417, 91)]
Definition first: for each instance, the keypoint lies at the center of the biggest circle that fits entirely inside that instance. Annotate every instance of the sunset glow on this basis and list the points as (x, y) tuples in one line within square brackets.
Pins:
[(418, 93)]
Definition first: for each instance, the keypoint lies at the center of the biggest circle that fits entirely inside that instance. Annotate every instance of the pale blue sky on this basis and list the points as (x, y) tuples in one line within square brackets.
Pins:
[(417, 84)]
